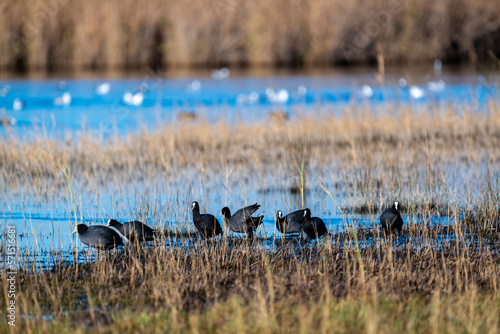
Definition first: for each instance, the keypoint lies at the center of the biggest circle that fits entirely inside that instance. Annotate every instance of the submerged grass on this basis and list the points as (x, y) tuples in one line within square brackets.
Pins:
[(435, 279)]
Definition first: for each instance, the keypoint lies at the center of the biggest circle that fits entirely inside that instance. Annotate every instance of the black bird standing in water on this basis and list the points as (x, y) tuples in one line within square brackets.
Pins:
[(291, 223), (206, 224), (391, 220), (242, 221), (134, 230), (98, 236), (314, 227)]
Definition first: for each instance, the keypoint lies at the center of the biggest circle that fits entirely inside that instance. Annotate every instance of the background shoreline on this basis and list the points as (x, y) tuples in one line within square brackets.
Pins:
[(62, 34)]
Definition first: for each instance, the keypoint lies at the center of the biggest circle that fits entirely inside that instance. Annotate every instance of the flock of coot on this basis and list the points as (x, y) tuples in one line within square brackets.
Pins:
[(300, 221)]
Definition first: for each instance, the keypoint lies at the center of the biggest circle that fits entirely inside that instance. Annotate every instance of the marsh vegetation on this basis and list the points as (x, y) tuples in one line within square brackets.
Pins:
[(435, 278)]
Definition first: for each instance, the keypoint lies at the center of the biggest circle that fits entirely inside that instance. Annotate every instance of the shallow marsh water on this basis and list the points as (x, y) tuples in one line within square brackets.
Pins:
[(44, 226), (106, 107), (102, 108)]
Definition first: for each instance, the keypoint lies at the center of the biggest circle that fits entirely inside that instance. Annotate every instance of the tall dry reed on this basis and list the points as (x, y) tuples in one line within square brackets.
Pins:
[(56, 34)]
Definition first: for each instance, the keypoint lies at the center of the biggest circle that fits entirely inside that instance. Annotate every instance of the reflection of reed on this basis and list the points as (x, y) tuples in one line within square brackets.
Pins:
[(61, 34)]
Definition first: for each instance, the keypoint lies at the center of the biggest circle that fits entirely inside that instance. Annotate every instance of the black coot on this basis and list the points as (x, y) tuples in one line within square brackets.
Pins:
[(206, 224), (291, 223), (134, 230), (242, 221), (391, 220), (98, 236), (314, 227)]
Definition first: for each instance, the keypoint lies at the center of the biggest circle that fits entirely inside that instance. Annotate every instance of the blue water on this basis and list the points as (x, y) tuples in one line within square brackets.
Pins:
[(43, 226), (105, 107), (120, 106), (44, 240)]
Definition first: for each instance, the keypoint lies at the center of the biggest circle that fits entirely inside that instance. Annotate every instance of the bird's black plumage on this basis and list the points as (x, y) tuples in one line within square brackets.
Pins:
[(206, 224), (133, 230), (291, 223), (98, 236), (242, 221), (391, 220), (314, 227)]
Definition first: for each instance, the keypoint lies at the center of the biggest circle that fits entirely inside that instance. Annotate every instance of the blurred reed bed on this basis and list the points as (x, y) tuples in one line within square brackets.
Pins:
[(63, 34)]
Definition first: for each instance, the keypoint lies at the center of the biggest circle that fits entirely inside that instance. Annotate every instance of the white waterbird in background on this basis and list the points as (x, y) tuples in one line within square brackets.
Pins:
[(17, 104), (366, 92), (251, 98), (194, 86), (416, 92), (302, 90), (436, 86), (133, 99), (4, 90), (103, 88), (64, 100), (223, 73), (62, 85), (280, 97)]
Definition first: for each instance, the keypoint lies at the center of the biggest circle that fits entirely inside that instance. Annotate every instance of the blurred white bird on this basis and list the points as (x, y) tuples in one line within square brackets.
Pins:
[(135, 99), (64, 100), (416, 92), (436, 86), (103, 88), (127, 98), (223, 73), (194, 86), (366, 91), (62, 85), (241, 98), (251, 98), (280, 97), (302, 90), (5, 90), (17, 104)]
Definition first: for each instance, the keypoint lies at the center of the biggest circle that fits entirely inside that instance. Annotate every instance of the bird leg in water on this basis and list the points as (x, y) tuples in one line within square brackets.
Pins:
[(396, 232)]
